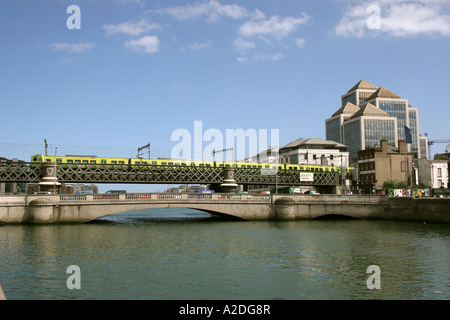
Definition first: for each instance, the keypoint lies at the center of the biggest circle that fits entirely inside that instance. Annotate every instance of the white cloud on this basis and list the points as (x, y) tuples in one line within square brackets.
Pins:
[(73, 48), (398, 18), (279, 28), (243, 45), (211, 10), (132, 29), (146, 44), (199, 46), (268, 56), (300, 42), (262, 57)]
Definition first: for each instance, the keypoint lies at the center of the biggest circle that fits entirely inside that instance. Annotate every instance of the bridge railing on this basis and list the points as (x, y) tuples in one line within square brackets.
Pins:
[(165, 196)]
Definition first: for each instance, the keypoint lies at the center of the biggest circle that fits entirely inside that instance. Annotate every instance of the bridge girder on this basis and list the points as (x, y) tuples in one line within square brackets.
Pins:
[(154, 174)]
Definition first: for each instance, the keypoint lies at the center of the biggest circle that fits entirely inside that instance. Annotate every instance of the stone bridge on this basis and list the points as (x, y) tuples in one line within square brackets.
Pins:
[(84, 208)]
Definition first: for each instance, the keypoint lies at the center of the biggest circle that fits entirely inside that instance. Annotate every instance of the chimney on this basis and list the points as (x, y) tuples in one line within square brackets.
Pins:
[(402, 146), (384, 146)]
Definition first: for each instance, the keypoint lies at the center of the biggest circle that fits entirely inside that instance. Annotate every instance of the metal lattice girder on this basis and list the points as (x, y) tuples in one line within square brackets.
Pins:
[(282, 177), (138, 174), (99, 173), (19, 172)]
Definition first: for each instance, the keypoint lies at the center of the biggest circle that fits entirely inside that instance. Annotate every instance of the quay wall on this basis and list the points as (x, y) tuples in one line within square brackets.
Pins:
[(52, 209)]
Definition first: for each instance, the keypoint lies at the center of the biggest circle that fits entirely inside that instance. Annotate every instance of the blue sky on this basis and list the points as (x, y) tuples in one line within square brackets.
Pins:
[(138, 70)]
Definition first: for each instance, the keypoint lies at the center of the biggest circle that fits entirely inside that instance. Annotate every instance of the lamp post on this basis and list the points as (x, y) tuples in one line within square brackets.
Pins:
[(56, 173)]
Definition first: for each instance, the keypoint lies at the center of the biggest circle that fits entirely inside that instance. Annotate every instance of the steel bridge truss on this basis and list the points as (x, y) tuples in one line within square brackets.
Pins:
[(154, 174)]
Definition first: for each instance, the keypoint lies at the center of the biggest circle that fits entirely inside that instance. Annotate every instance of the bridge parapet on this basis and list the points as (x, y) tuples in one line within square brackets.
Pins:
[(160, 197)]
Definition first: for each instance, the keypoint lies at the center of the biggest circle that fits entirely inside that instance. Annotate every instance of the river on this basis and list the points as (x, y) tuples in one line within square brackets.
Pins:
[(174, 254)]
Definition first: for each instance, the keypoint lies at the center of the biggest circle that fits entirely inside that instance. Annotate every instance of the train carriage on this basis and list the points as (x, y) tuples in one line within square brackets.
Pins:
[(175, 164)]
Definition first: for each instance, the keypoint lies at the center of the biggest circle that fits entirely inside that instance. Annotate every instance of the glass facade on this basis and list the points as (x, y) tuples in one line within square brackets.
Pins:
[(364, 95), (333, 128), (351, 97), (352, 138), (423, 148), (377, 129), (396, 109), (412, 113)]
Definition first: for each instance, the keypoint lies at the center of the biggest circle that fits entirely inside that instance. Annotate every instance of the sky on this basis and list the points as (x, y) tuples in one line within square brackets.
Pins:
[(107, 77)]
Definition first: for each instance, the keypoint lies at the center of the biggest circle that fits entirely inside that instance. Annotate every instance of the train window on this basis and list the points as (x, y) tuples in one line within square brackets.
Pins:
[(137, 162), (164, 163), (227, 165), (121, 162), (48, 160), (266, 166), (93, 162), (202, 164), (192, 164), (113, 162), (208, 165), (69, 161), (177, 163), (170, 163), (154, 162), (144, 162), (221, 165), (77, 161), (85, 161), (183, 164), (58, 160), (249, 166), (103, 161)]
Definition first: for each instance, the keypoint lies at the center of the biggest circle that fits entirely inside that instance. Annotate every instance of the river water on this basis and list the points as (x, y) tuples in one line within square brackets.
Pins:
[(173, 254)]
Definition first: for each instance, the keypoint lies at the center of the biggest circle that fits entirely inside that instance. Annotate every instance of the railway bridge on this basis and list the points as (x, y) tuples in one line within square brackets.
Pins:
[(50, 175)]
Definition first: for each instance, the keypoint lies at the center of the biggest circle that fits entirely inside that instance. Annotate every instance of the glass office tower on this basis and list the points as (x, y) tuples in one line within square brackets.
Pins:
[(366, 128), (371, 131)]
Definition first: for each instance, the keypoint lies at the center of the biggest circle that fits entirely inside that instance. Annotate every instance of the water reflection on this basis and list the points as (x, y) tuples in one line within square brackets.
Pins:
[(187, 254)]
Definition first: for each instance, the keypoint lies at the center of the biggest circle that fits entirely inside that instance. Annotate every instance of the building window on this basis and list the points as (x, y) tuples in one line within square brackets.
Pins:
[(439, 172)]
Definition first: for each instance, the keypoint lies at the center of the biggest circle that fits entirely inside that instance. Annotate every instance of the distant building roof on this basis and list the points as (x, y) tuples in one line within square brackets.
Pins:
[(370, 110), (363, 84), (349, 108), (383, 93), (314, 141)]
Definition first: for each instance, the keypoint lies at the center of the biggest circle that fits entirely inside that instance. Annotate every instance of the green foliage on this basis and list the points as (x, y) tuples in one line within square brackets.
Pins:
[(440, 157), (393, 184)]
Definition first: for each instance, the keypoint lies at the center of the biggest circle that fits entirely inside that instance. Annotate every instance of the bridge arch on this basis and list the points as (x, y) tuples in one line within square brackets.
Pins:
[(220, 215), (84, 212)]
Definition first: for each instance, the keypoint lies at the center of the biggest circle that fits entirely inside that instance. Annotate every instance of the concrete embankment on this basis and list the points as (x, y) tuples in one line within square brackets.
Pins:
[(363, 207)]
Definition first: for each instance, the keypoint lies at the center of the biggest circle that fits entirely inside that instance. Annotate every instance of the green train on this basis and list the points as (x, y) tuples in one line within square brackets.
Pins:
[(117, 162)]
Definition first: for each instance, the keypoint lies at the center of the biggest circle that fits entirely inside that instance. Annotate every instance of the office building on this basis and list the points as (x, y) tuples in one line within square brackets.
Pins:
[(364, 129)]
